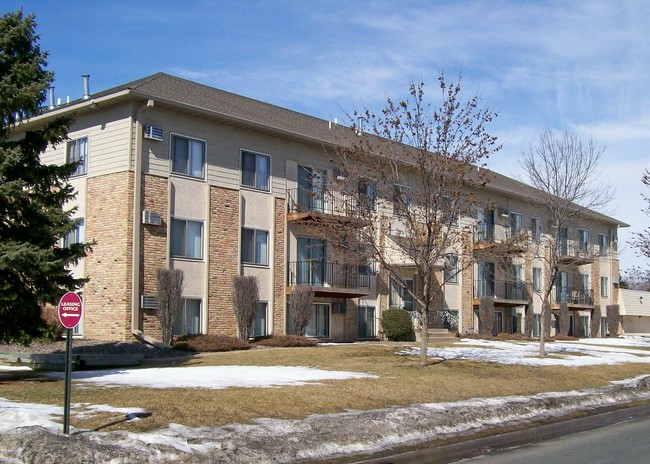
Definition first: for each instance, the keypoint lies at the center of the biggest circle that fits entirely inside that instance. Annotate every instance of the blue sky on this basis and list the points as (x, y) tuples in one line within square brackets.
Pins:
[(582, 64)]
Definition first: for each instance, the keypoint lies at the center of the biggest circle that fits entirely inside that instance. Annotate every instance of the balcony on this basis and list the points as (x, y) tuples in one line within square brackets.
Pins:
[(304, 204), (575, 253), (505, 292), (576, 298), (498, 238), (331, 280)]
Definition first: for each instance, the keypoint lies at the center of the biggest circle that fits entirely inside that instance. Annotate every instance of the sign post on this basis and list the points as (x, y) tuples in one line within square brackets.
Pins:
[(70, 310)]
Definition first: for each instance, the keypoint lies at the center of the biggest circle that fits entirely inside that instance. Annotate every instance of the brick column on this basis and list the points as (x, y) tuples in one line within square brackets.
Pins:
[(279, 269)]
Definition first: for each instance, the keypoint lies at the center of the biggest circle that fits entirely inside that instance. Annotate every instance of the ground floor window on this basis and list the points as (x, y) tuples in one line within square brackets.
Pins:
[(537, 323), (319, 323), (79, 328), (603, 326), (188, 320), (260, 323), (366, 322), (583, 330), (498, 322)]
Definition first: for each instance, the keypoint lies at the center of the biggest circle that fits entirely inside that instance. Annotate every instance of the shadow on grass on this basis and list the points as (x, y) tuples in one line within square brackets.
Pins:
[(127, 417)]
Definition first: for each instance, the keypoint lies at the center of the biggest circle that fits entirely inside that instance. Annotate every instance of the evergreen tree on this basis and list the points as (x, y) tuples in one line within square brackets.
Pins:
[(33, 266)]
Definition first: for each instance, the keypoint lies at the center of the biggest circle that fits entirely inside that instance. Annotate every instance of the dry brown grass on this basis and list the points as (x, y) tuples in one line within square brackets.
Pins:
[(401, 382)]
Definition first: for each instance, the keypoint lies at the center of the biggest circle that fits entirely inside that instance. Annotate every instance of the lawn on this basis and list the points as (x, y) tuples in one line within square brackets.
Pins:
[(399, 381)]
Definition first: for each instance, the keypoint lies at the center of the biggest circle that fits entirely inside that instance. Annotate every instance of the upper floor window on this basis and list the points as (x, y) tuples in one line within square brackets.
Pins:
[(77, 152), (399, 297), (187, 239), (604, 287), (255, 170), (449, 211), (583, 239), (255, 246), (537, 279), (401, 200), (536, 229), (188, 156), (366, 191), (516, 224), (603, 242), (76, 235), (451, 269)]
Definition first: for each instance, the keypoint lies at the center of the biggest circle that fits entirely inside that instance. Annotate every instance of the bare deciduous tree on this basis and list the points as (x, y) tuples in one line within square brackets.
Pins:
[(563, 170), (300, 308), (486, 315), (170, 289), (412, 172), (245, 297), (641, 240), (613, 319)]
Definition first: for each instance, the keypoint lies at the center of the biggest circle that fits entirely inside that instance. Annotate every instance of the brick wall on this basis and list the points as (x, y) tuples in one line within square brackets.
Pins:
[(595, 280), (279, 265), (109, 221), (224, 259), (153, 246), (467, 283)]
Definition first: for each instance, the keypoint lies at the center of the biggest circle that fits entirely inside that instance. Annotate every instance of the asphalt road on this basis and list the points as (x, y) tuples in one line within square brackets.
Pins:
[(622, 443)]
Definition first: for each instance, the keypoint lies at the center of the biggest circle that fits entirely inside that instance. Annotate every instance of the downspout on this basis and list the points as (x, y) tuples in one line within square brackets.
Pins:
[(137, 199)]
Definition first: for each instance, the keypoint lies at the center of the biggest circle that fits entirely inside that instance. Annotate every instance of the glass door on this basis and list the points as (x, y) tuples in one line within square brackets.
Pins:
[(310, 268)]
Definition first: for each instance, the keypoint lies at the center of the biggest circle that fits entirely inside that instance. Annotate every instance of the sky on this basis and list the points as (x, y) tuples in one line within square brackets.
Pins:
[(582, 65), (399, 425)]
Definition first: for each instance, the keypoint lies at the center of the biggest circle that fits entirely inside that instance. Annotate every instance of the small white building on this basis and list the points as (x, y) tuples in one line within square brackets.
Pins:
[(635, 311)]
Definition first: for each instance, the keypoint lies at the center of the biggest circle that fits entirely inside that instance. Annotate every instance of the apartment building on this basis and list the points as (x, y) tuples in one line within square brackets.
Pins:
[(175, 174)]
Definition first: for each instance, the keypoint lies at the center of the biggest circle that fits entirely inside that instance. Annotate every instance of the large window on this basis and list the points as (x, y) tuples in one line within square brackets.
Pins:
[(451, 269), (399, 297), (366, 322), (516, 224), (260, 323), (583, 240), (604, 287), (188, 156), (603, 242), (537, 279), (255, 247), (401, 200), (76, 235), (319, 322), (188, 320), (255, 170), (187, 239), (536, 229), (77, 152)]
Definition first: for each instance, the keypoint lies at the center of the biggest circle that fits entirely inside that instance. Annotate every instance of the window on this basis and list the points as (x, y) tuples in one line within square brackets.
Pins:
[(537, 279), (537, 324), (260, 323), (255, 246), (366, 192), (451, 269), (603, 326), (536, 229), (604, 287), (399, 297), (516, 224), (319, 322), (188, 320), (255, 170), (188, 156), (449, 212), (77, 152), (366, 322), (76, 235), (603, 242), (187, 239), (401, 200), (583, 240), (498, 322)]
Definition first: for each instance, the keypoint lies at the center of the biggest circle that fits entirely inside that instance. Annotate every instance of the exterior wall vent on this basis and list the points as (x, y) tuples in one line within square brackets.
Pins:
[(154, 133), (151, 218), (149, 302)]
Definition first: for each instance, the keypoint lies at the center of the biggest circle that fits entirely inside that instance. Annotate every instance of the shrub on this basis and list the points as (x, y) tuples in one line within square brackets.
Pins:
[(486, 315), (398, 325), (286, 341), (52, 327), (613, 319), (595, 322), (210, 343)]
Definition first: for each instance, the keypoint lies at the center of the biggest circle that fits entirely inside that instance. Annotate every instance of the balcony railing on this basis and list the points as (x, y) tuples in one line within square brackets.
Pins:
[(574, 296), (320, 273), (569, 250), (301, 200), (511, 290)]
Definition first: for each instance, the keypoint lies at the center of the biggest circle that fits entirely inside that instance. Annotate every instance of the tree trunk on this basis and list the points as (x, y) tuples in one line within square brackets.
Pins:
[(424, 337)]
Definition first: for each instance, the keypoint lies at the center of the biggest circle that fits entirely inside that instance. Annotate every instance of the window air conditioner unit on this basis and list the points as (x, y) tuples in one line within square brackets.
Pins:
[(504, 212), (151, 218), (148, 302), (154, 133), (339, 174)]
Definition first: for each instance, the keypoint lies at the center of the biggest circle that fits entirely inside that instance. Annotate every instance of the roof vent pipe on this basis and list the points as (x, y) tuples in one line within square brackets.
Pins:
[(86, 78), (51, 95)]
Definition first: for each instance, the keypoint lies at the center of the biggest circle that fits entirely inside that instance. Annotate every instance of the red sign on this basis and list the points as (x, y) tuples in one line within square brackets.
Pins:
[(70, 310)]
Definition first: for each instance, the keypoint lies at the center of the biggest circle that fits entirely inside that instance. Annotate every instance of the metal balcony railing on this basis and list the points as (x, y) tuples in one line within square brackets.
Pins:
[(501, 289), (578, 250), (300, 200), (320, 273), (574, 296)]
